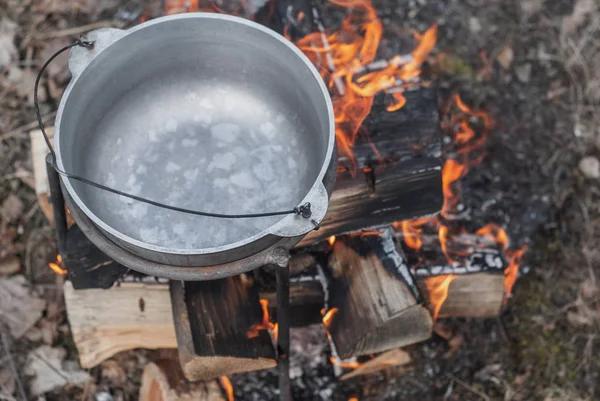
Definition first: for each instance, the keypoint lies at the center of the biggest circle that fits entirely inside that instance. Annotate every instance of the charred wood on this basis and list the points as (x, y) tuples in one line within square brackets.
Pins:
[(374, 298), (212, 322), (476, 275)]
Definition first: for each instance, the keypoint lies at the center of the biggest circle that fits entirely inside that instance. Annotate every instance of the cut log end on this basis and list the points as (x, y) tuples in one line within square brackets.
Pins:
[(164, 381), (208, 368), (477, 295)]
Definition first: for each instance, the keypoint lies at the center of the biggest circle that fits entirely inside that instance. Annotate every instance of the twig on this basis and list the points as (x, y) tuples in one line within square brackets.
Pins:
[(27, 127), (76, 30), (465, 385), (12, 365)]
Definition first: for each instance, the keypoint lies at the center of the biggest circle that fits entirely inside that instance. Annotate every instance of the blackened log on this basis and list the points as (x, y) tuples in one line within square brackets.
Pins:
[(401, 180), (476, 286), (306, 301), (380, 196), (412, 132), (374, 298), (212, 324), (86, 265)]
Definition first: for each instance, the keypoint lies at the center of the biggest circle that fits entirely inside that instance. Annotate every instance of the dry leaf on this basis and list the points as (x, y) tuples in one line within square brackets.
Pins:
[(48, 371), (9, 265), (581, 10), (7, 382), (590, 167), (523, 72), (8, 51), (113, 373), (505, 57), (589, 289), (20, 308), (575, 319), (11, 208), (531, 7), (34, 335)]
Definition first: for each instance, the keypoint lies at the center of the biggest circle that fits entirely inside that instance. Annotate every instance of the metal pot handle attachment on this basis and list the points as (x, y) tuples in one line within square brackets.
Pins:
[(80, 57)]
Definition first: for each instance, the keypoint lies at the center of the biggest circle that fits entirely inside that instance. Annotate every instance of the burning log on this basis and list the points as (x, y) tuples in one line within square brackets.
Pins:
[(395, 173), (463, 295), (216, 324), (164, 381), (88, 266), (471, 286), (374, 298)]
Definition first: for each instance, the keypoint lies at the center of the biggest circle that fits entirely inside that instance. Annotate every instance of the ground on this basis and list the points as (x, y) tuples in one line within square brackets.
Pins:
[(534, 65)]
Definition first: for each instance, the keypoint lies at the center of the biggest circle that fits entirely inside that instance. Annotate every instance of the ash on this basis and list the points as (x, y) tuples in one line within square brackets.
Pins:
[(311, 373)]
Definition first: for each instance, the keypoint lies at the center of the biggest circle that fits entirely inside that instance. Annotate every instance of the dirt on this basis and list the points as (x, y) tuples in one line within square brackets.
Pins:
[(532, 64)]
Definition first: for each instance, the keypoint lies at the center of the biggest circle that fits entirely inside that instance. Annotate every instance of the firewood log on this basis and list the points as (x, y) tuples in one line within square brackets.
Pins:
[(374, 297)]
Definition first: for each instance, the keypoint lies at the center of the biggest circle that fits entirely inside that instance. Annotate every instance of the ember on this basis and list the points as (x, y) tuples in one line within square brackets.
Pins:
[(345, 365), (265, 324), (331, 240), (56, 266), (328, 316)]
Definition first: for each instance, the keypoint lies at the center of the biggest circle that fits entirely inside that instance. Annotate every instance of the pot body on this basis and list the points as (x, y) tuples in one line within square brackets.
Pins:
[(200, 111)]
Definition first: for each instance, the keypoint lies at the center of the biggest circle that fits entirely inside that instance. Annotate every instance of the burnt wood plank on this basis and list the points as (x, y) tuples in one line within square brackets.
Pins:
[(212, 322)]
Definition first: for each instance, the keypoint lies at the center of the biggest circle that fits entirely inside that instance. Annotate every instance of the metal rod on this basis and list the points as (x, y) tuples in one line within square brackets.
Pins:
[(57, 201), (283, 329)]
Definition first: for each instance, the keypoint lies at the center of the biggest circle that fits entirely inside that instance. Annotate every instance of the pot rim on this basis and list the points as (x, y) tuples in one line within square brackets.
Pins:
[(287, 226)]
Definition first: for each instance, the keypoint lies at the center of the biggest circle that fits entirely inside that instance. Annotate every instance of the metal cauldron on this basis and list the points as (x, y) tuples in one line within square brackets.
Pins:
[(203, 111)]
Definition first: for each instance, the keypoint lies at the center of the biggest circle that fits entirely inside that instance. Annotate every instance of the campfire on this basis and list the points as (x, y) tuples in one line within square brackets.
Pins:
[(383, 265)]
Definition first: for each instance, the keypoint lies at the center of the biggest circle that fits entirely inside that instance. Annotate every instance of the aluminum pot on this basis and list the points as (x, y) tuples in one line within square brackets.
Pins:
[(202, 111)]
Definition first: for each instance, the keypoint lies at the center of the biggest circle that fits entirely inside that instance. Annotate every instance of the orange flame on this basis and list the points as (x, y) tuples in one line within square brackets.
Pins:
[(181, 6), (352, 399), (467, 142), (226, 384), (56, 266), (496, 233), (451, 173), (331, 240), (437, 288), (342, 58), (515, 258), (265, 324), (345, 365), (328, 316)]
